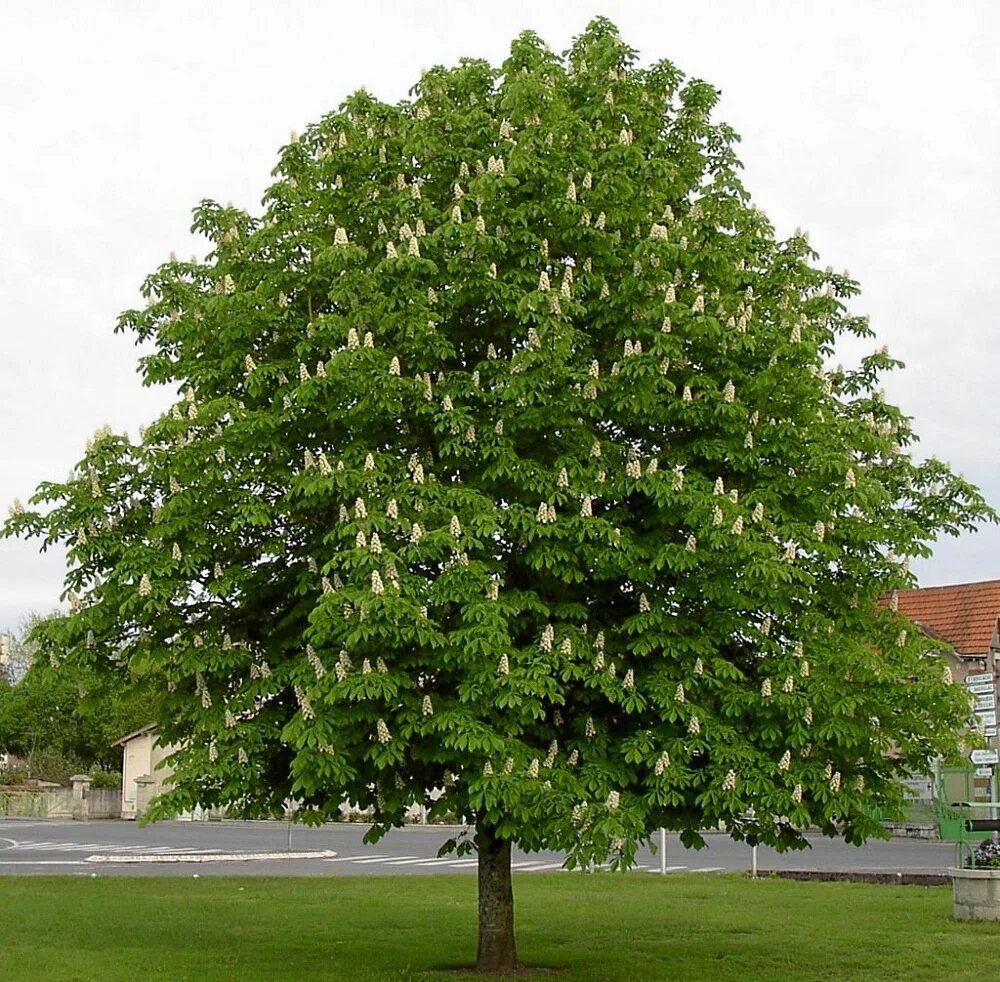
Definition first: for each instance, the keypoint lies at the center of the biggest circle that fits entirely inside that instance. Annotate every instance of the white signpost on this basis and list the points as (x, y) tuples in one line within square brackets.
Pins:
[(980, 679), (920, 786), (981, 757), (983, 687)]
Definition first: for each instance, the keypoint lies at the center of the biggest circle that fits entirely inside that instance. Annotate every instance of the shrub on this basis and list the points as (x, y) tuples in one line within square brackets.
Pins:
[(106, 779), (49, 764), (13, 774)]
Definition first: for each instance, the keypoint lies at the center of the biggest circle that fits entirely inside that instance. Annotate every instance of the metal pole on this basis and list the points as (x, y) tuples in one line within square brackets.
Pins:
[(991, 666), (753, 862), (663, 852)]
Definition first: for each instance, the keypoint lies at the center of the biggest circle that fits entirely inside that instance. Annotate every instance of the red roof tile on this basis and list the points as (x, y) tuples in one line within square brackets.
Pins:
[(964, 615)]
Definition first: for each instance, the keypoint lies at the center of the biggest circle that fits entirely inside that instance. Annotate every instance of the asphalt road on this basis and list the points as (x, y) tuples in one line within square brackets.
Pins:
[(33, 847)]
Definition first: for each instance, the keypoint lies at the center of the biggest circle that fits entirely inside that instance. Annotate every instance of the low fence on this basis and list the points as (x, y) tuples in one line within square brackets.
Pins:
[(33, 803), (105, 802), (58, 803)]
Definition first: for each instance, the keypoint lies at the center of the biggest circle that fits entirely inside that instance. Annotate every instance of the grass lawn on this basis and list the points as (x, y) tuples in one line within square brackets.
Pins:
[(603, 927)]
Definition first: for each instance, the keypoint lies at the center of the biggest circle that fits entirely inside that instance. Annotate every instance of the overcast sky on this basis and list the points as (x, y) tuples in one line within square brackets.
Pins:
[(874, 125)]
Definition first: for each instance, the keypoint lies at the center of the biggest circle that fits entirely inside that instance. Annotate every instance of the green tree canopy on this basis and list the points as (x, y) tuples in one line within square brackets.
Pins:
[(508, 459), (64, 716)]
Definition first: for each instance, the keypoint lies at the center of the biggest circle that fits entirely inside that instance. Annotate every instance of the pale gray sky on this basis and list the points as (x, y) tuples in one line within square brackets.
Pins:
[(874, 125)]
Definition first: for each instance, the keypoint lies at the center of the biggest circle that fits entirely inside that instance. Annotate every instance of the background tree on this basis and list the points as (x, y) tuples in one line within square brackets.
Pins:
[(507, 459), (16, 651), (66, 719), (6, 672)]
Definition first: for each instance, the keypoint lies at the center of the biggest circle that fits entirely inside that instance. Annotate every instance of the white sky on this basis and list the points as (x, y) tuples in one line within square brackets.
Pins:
[(874, 125)]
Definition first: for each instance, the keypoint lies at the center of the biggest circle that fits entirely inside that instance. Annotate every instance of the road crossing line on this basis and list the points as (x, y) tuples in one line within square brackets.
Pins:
[(352, 859), (406, 861), (104, 847), (70, 846), (42, 862), (530, 866), (379, 859), (447, 861), (178, 850)]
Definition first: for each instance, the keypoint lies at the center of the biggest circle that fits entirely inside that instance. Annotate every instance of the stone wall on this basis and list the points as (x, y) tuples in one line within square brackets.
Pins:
[(30, 803), (976, 894), (105, 802)]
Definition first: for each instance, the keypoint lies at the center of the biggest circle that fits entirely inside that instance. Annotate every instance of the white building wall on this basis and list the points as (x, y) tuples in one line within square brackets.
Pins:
[(140, 756), (135, 763)]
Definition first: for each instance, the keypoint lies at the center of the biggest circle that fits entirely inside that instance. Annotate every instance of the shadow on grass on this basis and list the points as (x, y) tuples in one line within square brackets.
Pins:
[(521, 972)]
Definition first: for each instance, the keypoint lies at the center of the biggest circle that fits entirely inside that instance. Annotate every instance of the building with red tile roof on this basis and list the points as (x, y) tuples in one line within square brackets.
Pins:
[(965, 615)]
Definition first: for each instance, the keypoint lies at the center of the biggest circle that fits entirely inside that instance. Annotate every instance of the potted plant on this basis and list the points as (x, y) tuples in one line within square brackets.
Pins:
[(976, 886)]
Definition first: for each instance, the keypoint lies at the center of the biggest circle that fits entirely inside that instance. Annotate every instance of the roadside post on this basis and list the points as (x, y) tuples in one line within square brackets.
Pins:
[(145, 785), (982, 687), (81, 797)]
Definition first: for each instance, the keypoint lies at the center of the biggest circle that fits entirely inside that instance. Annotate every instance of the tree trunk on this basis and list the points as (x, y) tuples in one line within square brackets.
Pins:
[(497, 952)]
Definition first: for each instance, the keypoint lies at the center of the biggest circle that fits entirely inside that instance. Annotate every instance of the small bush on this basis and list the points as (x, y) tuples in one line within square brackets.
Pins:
[(13, 774), (48, 764), (444, 818), (106, 779)]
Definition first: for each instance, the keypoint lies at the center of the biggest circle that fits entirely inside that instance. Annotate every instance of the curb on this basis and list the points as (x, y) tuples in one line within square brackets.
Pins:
[(231, 857), (886, 879)]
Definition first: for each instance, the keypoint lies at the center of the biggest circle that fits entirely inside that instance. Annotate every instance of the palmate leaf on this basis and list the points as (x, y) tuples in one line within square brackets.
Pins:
[(505, 462)]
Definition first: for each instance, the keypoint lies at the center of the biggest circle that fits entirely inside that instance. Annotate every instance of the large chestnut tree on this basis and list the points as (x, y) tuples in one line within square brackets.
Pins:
[(508, 459)]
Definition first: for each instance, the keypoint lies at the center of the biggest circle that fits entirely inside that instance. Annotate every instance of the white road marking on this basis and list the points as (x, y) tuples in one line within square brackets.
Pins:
[(351, 859), (380, 859), (416, 862), (235, 857), (42, 862), (13, 842), (536, 867), (47, 846), (463, 864), (71, 846), (182, 851)]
